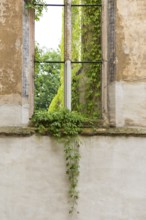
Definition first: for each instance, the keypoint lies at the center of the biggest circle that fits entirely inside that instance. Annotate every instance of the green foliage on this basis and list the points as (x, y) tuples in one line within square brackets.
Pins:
[(72, 157), (65, 126), (47, 77), (31, 4), (86, 84), (62, 123), (92, 52), (58, 101), (86, 46)]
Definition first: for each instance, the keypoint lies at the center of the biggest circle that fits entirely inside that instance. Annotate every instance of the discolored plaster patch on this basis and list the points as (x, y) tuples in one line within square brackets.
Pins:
[(122, 58), (10, 81), (131, 40), (12, 99)]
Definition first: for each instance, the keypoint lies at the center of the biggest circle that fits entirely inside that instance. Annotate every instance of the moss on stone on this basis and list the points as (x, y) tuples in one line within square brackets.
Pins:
[(135, 132), (16, 131), (28, 131)]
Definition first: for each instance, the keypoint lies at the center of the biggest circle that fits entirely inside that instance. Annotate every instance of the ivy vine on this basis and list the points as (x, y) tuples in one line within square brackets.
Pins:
[(65, 126), (86, 84), (32, 4), (92, 52), (86, 46)]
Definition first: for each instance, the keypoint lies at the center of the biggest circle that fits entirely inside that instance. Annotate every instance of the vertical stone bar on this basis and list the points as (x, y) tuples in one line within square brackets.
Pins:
[(28, 63), (67, 54), (111, 68), (104, 58), (15, 63)]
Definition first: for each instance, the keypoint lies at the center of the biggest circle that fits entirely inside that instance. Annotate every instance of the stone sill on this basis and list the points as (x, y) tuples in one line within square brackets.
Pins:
[(16, 131), (28, 131), (135, 132)]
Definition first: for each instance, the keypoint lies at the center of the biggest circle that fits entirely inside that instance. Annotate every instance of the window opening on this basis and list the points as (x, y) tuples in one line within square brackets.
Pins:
[(84, 59), (47, 72)]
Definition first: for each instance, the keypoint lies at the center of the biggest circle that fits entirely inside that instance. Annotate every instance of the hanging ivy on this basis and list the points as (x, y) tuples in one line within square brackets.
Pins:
[(65, 126), (86, 83)]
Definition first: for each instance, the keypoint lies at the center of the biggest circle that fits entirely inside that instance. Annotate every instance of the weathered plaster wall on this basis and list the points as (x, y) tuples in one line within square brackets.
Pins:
[(112, 182), (131, 40), (14, 104), (10, 47), (128, 89)]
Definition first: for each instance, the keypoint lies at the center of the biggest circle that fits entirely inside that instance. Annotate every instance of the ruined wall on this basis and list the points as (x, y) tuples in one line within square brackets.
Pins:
[(128, 85), (11, 47), (131, 40), (33, 183), (14, 103), (123, 76)]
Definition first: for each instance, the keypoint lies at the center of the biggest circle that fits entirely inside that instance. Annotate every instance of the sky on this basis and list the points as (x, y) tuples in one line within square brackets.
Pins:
[(48, 29)]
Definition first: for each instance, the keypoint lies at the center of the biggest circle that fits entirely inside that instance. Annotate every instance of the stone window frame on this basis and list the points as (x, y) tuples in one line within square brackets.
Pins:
[(28, 57), (108, 55)]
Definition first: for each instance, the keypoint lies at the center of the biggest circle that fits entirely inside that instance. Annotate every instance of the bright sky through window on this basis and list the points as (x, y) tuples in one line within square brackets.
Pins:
[(48, 30)]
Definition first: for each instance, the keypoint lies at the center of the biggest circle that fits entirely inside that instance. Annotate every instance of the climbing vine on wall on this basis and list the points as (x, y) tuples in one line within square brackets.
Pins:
[(88, 80), (86, 46)]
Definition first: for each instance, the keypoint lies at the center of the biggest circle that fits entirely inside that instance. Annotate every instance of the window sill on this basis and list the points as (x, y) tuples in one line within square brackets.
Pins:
[(28, 131)]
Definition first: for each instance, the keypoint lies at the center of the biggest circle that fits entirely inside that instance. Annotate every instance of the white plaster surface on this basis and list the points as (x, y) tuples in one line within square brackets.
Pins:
[(14, 115), (112, 182), (113, 178), (128, 103), (32, 180)]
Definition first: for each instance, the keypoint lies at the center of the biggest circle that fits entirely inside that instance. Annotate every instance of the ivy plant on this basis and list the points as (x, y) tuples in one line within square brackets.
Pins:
[(86, 46), (65, 126)]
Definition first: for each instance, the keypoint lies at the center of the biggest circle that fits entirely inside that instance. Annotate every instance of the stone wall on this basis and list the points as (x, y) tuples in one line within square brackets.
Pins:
[(127, 89), (16, 59), (123, 76), (33, 184)]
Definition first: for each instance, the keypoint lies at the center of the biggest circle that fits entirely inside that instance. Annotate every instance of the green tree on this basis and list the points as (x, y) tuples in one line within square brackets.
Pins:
[(47, 77)]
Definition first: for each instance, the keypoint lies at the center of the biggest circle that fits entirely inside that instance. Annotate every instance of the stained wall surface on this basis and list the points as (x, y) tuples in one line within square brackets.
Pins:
[(128, 89), (11, 47), (14, 103), (33, 183), (131, 40)]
